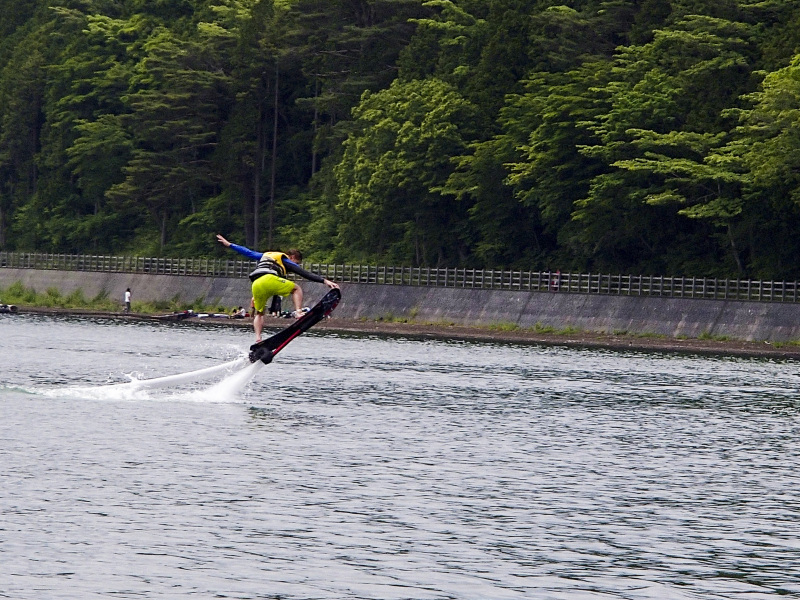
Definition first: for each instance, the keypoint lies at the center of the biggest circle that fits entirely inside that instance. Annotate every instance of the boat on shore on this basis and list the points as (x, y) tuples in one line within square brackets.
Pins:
[(175, 316), (9, 308)]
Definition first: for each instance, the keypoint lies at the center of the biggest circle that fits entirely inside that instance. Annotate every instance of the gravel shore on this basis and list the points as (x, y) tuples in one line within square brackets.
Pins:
[(487, 334), (577, 340)]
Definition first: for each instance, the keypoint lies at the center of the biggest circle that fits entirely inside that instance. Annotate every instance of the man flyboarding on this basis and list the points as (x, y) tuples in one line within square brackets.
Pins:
[(269, 279)]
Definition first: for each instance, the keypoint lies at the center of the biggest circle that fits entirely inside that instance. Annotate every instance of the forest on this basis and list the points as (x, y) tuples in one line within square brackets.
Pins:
[(652, 137)]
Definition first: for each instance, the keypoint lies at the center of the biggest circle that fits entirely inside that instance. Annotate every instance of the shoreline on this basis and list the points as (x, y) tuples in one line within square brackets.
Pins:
[(581, 339)]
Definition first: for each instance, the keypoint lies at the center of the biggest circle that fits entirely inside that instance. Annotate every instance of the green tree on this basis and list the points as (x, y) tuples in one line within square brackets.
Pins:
[(245, 37), (22, 88), (175, 120), (392, 176), (548, 125), (96, 159), (762, 154), (343, 47), (84, 144), (666, 101)]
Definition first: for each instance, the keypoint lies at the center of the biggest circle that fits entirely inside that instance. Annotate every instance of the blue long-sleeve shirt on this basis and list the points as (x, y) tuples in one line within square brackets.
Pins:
[(247, 252)]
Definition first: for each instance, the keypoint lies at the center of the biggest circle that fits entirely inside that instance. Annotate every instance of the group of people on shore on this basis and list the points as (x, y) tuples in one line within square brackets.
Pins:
[(274, 310)]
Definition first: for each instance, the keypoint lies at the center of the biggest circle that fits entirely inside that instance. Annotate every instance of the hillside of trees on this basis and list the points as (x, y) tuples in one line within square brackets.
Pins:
[(635, 136)]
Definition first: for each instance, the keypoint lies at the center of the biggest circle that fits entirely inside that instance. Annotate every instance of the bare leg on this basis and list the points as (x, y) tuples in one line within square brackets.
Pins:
[(297, 297), (258, 325)]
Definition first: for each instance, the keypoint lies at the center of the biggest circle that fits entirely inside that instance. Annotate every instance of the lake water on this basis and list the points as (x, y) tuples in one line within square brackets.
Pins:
[(361, 467)]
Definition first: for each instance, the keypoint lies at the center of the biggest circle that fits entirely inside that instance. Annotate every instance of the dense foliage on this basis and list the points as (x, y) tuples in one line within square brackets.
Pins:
[(642, 136)]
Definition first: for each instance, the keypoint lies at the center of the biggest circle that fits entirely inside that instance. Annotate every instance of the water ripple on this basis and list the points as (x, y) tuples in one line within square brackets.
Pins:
[(357, 467)]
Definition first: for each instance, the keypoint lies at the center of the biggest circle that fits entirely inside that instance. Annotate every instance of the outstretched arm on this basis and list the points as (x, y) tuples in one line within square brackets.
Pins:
[(240, 249), (293, 267)]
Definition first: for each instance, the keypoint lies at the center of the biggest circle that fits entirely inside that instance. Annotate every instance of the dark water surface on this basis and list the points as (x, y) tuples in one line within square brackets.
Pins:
[(358, 467)]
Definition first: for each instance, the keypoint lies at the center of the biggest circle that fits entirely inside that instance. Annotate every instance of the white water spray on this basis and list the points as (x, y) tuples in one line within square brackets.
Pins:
[(183, 378), (231, 387), (236, 374)]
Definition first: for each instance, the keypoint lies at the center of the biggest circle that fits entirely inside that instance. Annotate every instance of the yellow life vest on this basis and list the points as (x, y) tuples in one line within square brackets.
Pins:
[(271, 263)]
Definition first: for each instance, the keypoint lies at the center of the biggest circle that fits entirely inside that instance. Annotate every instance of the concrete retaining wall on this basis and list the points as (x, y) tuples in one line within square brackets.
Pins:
[(633, 314)]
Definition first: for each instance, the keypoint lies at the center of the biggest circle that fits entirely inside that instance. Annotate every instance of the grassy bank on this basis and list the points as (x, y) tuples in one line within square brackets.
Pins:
[(20, 295)]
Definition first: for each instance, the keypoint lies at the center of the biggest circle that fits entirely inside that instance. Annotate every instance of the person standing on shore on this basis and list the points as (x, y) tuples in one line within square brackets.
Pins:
[(269, 279), (275, 306), (128, 300)]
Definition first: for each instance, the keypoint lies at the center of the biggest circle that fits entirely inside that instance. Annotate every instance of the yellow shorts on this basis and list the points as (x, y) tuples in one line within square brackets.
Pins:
[(267, 286)]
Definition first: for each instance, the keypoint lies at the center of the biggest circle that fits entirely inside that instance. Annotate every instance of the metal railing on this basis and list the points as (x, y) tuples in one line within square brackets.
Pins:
[(536, 281), (204, 267)]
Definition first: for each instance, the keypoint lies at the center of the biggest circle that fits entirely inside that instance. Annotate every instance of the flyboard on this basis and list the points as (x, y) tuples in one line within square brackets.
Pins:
[(266, 350)]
